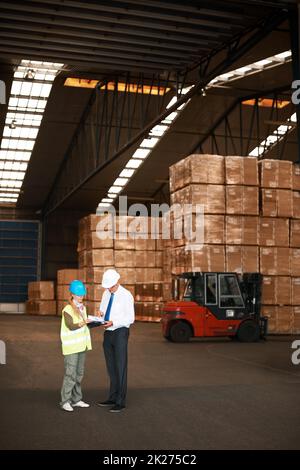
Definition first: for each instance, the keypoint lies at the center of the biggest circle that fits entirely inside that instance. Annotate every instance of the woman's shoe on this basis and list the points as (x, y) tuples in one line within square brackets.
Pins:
[(67, 407)]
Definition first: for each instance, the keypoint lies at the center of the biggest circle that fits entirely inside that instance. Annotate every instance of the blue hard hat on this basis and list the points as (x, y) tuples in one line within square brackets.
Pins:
[(77, 288)]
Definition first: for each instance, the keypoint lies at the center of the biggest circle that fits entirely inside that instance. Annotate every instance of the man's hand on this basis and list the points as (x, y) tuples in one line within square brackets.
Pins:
[(99, 314), (107, 324)]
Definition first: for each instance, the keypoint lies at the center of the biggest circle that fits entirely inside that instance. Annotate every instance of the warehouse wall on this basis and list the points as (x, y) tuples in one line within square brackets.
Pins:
[(59, 242)]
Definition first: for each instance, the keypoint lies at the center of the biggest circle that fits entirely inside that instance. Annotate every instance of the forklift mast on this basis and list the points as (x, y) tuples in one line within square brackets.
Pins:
[(251, 288)]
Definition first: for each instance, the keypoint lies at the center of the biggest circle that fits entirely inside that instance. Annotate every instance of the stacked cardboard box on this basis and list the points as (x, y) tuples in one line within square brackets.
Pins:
[(241, 171), (242, 209), (127, 244), (229, 195), (279, 243), (281, 318), (41, 298), (258, 203), (242, 200), (95, 253), (200, 181), (197, 169), (64, 278), (165, 246)]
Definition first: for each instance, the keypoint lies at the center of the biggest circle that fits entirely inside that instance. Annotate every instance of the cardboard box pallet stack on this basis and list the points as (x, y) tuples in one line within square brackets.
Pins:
[(105, 243), (280, 255), (64, 278), (41, 297), (251, 224), (199, 179)]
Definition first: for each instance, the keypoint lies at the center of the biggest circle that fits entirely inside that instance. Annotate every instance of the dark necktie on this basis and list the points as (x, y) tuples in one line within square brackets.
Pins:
[(107, 313)]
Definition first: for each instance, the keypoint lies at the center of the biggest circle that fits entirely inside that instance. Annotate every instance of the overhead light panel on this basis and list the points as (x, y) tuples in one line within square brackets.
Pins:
[(133, 163), (277, 136), (250, 69), (115, 189), (31, 87), (141, 153), (112, 195), (159, 129), (283, 55), (126, 173), (150, 142), (120, 181)]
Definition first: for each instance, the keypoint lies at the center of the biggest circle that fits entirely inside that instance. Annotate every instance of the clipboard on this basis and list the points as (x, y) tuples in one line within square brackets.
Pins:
[(95, 321)]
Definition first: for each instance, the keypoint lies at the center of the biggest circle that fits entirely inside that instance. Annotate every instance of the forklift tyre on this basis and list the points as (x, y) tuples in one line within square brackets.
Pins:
[(180, 332), (248, 332)]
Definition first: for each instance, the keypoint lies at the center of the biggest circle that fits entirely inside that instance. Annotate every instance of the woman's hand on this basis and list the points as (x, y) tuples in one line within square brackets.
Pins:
[(107, 324)]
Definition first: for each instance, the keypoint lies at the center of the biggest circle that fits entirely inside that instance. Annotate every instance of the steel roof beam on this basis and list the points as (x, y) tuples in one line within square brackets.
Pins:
[(55, 13), (196, 17), (46, 38), (69, 32), (271, 4), (96, 54), (80, 61), (210, 7), (81, 25)]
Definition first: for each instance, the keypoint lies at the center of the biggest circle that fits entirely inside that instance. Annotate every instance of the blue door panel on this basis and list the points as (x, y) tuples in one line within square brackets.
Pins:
[(19, 247)]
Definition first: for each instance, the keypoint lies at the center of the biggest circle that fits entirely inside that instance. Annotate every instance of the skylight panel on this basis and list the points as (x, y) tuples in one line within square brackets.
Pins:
[(133, 163), (30, 89), (126, 173), (150, 142), (141, 153), (115, 189), (9, 183), (120, 181)]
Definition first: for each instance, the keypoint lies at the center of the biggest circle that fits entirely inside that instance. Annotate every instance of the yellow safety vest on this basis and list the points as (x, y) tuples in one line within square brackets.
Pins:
[(74, 341)]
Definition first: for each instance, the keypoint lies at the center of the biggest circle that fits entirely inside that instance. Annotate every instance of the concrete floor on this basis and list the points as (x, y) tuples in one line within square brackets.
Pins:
[(214, 394)]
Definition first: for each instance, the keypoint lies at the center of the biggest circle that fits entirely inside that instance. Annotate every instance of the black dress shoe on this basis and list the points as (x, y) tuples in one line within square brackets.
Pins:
[(117, 409), (106, 403)]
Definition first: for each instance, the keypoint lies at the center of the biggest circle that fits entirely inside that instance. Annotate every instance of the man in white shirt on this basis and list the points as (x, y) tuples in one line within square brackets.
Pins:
[(117, 307)]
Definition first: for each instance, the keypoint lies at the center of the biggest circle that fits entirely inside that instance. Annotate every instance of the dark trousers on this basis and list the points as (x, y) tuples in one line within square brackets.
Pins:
[(115, 350)]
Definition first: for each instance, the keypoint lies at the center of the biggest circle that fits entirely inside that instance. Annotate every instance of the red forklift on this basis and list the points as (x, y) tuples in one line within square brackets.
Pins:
[(215, 305)]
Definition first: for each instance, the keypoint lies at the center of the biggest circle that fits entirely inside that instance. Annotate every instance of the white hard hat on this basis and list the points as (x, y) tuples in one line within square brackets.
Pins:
[(110, 278)]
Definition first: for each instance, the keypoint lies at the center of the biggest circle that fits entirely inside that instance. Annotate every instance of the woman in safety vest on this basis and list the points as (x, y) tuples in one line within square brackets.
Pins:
[(76, 340)]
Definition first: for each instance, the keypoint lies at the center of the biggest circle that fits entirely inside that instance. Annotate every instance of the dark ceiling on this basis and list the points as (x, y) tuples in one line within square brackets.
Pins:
[(100, 38), (120, 35)]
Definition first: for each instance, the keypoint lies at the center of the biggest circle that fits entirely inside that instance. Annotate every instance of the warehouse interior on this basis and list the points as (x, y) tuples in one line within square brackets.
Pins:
[(109, 98)]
